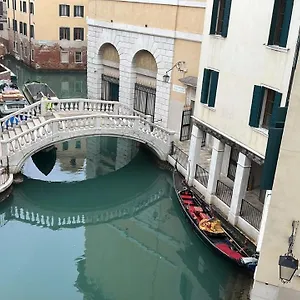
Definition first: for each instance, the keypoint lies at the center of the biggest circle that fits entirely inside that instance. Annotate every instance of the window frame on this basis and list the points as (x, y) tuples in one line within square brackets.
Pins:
[(24, 4), (63, 13), (81, 10), (66, 33), (264, 121), (75, 53), (31, 8), (61, 56), (80, 32)]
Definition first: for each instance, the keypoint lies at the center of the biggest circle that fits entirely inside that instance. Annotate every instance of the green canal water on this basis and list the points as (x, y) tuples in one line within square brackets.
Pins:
[(96, 218)]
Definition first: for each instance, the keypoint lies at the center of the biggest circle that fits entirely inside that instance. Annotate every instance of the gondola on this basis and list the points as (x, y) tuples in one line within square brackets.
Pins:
[(208, 227)]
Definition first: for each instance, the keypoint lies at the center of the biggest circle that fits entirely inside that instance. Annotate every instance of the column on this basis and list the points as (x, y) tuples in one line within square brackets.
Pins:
[(226, 159), (239, 187), (194, 153), (215, 165), (264, 220)]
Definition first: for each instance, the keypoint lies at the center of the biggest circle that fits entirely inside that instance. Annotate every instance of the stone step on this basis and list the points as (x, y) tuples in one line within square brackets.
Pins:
[(30, 124), (11, 133), (24, 127), (5, 136), (18, 130), (36, 121)]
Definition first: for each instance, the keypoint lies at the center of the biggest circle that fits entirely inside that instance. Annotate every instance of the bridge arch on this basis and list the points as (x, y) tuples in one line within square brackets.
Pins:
[(18, 159)]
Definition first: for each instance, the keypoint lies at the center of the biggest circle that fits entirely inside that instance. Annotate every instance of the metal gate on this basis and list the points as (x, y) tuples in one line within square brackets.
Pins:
[(185, 131), (144, 100), (110, 88)]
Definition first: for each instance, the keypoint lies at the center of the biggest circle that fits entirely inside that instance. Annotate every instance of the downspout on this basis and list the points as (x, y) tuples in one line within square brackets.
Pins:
[(296, 56), (29, 33)]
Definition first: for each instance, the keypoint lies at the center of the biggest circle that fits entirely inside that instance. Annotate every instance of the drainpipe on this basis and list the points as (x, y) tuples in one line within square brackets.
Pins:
[(28, 32), (296, 56)]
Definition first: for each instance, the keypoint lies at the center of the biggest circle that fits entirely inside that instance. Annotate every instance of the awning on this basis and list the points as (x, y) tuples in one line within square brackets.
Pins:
[(189, 81)]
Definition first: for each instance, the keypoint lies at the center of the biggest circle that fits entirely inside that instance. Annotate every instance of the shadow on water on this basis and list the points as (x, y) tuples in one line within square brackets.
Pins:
[(45, 160)]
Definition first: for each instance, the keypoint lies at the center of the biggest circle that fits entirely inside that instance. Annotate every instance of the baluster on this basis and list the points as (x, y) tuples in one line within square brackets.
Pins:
[(42, 220)]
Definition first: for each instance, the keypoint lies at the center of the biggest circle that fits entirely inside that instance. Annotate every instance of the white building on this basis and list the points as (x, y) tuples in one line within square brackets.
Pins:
[(246, 60)]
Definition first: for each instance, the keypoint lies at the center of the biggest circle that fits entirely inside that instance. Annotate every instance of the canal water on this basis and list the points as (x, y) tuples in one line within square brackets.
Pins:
[(97, 219)]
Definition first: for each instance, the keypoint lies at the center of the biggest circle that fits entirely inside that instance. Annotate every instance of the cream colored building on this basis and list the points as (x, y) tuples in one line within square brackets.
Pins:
[(131, 46), (48, 34), (282, 211), (246, 60)]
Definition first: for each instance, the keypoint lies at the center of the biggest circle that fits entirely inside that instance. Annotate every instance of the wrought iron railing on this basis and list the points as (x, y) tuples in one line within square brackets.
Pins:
[(251, 214), (179, 156), (201, 175), (224, 192)]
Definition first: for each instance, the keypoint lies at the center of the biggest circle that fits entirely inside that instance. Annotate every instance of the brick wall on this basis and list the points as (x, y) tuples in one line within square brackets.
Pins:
[(47, 57)]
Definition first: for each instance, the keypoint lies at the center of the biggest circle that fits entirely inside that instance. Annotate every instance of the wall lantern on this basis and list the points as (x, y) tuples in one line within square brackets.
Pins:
[(180, 67), (288, 264)]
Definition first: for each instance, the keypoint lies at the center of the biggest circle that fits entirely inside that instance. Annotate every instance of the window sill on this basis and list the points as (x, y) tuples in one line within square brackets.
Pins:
[(78, 17), (218, 36), (65, 16), (277, 48), (261, 130), (209, 107)]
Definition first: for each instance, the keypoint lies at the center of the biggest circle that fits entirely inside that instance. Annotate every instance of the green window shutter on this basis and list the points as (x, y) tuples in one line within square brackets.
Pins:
[(257, 101), (213, 88), (276, 105), (214, 16), (226, 18), (273, 22), (205, 85), (272, 152), (286, 23)]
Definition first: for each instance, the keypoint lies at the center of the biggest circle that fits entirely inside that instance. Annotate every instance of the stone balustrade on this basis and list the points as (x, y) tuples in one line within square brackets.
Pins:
[(44, 123)]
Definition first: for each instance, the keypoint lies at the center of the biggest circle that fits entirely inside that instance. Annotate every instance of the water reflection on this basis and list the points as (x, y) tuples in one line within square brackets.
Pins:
[(80, 159), (116, 235), (64, 84)]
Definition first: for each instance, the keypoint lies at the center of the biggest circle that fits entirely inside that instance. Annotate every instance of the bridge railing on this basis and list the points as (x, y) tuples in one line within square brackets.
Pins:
[(86, 123), (79, 105)]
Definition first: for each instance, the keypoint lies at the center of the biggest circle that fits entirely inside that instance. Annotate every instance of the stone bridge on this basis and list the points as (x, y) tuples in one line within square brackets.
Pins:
[(45, 123)]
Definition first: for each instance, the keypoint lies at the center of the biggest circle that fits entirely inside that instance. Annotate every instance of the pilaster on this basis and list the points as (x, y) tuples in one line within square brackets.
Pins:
[(215, 165), (239, 187), (194, 153)]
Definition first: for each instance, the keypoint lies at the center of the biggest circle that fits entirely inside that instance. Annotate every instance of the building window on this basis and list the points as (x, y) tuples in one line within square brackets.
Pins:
[(20, 5), (78, 57), (7, 3), (14, 4), (21, 27), (32, 54), (280, 24), (78, 11), (78, 34), (15, 46), (31, 7), (64, 33), (1, 26), (24, 7), (65, 146), (25, 29), (209, 87), (32, 31), (15, 25), (64, 10), (265, 103), (25, 51), (8, 22), (220, 17), (78, 145), (64, 57)]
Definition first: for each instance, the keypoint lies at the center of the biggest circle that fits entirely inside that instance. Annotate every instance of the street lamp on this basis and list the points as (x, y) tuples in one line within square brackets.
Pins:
[(288, 264), (179, 65)]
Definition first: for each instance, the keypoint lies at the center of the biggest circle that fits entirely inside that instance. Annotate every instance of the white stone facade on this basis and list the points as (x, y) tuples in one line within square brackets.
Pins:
[(128, 44)]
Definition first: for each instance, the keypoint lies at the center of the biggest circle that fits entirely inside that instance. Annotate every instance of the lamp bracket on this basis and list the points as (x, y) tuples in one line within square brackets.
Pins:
[(292, 237)]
